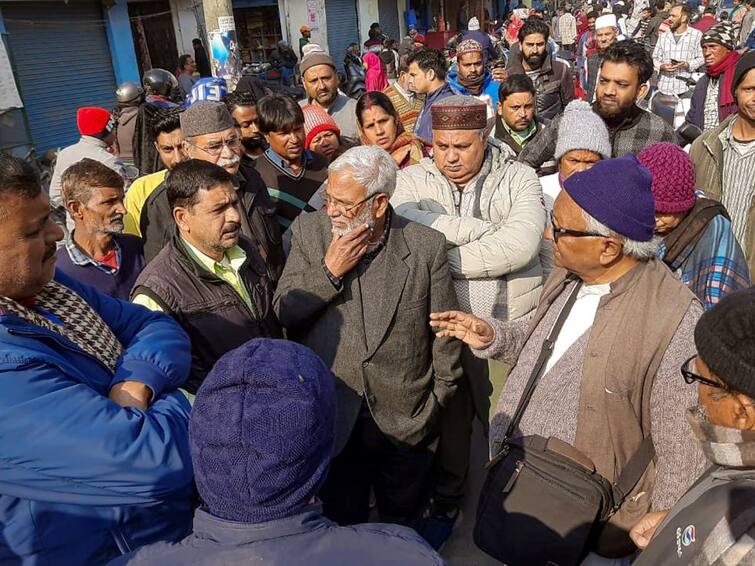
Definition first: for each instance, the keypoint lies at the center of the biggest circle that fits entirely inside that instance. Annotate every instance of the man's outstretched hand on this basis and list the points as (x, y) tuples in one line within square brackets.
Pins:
[(471, 330), (131, 394)]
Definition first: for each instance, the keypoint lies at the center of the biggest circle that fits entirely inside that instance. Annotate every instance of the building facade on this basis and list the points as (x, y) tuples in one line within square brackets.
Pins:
[(59, 55)]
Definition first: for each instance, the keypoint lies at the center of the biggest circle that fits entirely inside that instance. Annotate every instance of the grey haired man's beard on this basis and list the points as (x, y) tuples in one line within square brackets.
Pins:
[(222, 162), (364, 217)]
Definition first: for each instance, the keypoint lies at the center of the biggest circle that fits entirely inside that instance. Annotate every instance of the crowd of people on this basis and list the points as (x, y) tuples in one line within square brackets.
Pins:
[(266, 329)]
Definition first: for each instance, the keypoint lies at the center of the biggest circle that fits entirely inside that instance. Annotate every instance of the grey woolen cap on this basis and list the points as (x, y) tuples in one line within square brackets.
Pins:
[(205, 118), (581, 128)]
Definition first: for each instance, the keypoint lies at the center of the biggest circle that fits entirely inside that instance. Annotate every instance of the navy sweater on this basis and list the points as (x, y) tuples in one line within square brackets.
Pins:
[(118, 284)]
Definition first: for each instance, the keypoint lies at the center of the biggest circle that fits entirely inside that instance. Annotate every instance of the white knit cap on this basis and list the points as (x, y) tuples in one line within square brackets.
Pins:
[(581, 128), (474, 24), (606, 21)]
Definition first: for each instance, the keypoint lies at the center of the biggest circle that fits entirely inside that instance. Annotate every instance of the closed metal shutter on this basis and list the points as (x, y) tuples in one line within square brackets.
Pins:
[(62, 61), (343, 28), (388, 18)]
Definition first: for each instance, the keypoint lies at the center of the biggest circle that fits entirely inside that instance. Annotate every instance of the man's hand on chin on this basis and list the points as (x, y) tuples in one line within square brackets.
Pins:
[(131, 394)]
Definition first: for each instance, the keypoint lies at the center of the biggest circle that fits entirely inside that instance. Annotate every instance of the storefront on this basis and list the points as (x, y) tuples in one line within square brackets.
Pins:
[(258, 28), (60, 57)]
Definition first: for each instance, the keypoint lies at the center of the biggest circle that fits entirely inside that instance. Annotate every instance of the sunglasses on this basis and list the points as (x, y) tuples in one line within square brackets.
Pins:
[(691, 377)]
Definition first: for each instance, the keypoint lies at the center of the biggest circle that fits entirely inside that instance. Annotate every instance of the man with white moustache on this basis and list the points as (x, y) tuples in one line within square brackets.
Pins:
[(210, 134), (358, 287)]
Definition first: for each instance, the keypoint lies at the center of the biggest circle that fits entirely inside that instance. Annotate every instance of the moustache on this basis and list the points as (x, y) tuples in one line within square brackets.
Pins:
[(222, 162), (234, 227)]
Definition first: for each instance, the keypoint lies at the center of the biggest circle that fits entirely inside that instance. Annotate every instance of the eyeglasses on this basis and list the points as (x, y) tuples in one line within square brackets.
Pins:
[(344, 209), (216, 148), (691, 377), (559, 232)]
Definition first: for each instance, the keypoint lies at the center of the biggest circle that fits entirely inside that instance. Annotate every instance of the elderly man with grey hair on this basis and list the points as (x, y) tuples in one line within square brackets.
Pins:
[(358, 288), (602, 353), (490, 209)]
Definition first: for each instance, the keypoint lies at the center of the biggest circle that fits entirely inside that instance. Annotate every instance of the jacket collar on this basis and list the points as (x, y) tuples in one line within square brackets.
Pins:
[(231, 533), (185, 258)]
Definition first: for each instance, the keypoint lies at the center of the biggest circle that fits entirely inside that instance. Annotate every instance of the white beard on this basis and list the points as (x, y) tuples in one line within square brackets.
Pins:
[(364, 217)]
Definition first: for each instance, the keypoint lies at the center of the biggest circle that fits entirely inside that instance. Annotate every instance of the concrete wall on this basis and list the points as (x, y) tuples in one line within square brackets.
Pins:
[(185, 25), (294, 15)]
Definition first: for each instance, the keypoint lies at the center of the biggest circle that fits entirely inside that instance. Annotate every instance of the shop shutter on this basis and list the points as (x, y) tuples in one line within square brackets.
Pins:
[(62, 61), (343, 28), (388, 18)]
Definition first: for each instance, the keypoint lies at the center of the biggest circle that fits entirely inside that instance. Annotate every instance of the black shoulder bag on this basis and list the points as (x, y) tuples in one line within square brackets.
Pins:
[(543, 502)]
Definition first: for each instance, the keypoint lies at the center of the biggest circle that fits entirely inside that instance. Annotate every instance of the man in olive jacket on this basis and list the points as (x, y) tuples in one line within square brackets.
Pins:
[(358, 288)]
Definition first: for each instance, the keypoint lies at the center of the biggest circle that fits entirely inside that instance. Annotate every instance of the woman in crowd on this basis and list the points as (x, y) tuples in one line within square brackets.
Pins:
[(379, 124), (375, 79), (322, 133)]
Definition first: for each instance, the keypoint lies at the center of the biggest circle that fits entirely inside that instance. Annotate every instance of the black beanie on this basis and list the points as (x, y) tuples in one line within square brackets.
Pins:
[(745, 63), (725, 340)]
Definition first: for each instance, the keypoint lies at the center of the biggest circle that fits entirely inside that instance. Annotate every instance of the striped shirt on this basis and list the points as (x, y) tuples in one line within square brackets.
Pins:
[(687, 49), (710, 108), (738, 180)]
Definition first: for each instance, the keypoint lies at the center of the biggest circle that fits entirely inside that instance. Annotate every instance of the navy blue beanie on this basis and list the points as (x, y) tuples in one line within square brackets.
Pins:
[(262, 431), (618, 193)]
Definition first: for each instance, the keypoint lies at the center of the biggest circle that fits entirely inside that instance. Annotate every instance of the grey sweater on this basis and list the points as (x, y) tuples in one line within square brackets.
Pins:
[(554, 405)]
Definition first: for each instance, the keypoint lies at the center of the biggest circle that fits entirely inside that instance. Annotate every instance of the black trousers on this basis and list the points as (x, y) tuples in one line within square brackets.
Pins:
[(472, 399), (397, 473)]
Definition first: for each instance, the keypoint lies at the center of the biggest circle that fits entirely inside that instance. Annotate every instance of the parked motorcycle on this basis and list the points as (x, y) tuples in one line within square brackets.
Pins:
[(674, 107), (272, 80)]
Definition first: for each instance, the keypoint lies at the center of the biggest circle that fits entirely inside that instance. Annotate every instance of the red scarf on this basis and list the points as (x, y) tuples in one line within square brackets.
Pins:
[(725, 68)]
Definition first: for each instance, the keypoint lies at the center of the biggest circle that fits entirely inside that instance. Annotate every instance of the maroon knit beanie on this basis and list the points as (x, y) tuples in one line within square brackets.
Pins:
[(673, 176)]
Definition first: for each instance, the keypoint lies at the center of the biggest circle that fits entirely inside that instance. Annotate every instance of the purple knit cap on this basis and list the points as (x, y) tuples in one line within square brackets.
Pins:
[(673, 176), (617, 193), (262, 430)]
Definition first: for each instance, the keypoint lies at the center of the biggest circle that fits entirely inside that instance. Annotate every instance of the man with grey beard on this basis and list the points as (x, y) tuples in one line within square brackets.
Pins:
[(97, 252), (210, 134), (358, 287)]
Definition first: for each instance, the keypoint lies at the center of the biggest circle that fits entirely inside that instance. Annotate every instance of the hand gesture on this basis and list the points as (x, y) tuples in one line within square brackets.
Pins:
[(131, 394), (499, 74), (471, 330), (644, 529), (344, 252)]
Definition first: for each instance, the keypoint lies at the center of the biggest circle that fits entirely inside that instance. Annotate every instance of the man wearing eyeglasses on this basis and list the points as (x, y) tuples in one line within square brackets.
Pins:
[(357, 288), (719, 506), (210, 134), (611, 378), (209, 276)]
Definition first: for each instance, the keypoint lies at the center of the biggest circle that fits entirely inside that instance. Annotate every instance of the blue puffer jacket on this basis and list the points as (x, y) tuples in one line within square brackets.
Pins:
[(489, 87), (83, 480)]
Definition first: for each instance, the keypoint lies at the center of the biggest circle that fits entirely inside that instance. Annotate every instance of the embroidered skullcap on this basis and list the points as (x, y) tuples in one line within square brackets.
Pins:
[(468, 46), (459, 113)]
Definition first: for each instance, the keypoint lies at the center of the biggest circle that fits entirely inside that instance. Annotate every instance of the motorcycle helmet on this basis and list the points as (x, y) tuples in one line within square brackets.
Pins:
[(159, 81), (129, 92)]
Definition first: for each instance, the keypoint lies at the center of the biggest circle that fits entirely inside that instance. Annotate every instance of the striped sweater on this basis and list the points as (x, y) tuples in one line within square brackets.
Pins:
[(408, 110), (291, 192)]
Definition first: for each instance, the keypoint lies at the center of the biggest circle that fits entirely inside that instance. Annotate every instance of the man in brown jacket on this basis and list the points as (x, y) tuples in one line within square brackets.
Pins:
[(612, 377), (724, 159)]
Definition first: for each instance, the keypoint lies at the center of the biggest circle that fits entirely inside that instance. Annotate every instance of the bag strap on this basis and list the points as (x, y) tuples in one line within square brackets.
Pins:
[(545, 354), (633, 471)]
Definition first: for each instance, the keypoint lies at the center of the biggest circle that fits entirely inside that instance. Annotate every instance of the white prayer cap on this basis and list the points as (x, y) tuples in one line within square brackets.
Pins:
[(605, 21)]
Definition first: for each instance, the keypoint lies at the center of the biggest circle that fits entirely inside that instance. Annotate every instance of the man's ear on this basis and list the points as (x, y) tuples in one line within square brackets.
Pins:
[(179, 216), (75, 209), (612, 249), (642, 92), (380, 205)]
